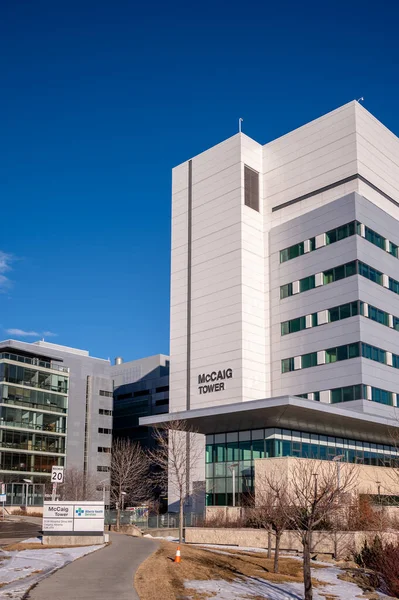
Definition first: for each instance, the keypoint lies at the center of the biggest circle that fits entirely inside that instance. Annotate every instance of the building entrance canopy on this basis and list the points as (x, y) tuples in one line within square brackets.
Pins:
[(359, 419)]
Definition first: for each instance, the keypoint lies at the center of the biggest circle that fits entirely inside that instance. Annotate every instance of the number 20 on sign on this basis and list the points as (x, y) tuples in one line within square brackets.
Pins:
[(57, 474)]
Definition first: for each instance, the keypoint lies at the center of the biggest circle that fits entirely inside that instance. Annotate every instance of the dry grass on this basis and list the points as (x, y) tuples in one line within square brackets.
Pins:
[(23, 513), (198, 563)]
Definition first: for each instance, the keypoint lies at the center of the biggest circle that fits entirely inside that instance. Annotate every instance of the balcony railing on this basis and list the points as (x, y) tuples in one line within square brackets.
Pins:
[(27, 425), (23, 404), (32, 447), (37, 362), (34, 384)]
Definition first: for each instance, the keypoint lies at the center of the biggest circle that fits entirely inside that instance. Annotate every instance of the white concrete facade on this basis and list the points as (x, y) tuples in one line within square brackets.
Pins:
[(225, 303)]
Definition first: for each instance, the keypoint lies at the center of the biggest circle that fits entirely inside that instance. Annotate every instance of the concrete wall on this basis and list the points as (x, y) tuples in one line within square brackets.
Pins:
[(365, 476), (323, 541)]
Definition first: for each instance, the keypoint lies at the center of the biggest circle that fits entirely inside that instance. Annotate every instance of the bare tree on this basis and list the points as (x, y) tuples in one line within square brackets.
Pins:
[(272, 508), (313, 492), (78, 485), (177, 452), (130, 477)]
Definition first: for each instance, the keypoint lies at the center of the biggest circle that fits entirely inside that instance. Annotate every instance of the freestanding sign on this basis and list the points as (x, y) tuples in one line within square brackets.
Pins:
[(73, 518), (57, 474)]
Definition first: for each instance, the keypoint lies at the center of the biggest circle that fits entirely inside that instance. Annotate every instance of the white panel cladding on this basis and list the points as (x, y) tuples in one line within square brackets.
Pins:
[(321, 357), (385, 280), (295, 287), (297, 363), (389, 359), (377, 153), (320, 240), (255, 286), (390, 321), (309, 158), (322, 317), (366, 310), (325, 396), (236, 309)]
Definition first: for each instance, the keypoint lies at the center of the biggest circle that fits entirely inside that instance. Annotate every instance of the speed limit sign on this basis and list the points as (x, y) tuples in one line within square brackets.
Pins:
[(57, 474)]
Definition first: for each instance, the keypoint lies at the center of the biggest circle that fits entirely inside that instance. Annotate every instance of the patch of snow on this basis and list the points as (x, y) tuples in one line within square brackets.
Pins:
[(25, 568), (244, 588), (168, 538)]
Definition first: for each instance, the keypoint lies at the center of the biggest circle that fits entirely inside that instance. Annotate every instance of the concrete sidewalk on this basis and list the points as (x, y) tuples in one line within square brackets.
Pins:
[(106, 574)]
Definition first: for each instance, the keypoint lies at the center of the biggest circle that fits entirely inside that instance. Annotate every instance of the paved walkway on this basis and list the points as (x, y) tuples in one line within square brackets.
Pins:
[(106, 574)]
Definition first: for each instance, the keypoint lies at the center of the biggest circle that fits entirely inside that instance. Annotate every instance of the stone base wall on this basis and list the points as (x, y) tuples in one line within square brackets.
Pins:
[(72, 540), (324, 542)]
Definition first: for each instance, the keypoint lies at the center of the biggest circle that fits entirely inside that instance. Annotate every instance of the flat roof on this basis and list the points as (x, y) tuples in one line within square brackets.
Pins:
[(288, 412)]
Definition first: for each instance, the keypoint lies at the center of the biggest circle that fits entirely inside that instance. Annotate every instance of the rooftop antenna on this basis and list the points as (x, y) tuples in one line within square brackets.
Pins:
[(360, 99), (240, 120)]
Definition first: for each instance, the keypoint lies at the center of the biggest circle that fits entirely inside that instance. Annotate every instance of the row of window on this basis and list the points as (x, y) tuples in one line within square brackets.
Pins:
[(236, 451), (104, 430), (105, 393), (34, 378), (32, 463), (104, 411), (337, 313), (332, 236), (34, 398), (355, 392), (335, 274), (328, 276), (104, 449), (337, 234), (345, 352), (103, 469)]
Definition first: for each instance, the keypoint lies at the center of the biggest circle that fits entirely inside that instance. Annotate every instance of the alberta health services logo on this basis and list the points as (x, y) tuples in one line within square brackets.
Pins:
[(79, 512)]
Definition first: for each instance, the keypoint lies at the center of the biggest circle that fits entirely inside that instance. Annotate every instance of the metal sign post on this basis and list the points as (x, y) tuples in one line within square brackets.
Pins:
[(3, 498)]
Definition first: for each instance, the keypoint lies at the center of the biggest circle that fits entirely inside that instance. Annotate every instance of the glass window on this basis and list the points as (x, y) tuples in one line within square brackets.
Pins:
[(286, 290), (331, 236), (331, 355), (350, 269), (251, 188), (334, 314), (307, 283), (328, 276), (287, 364), (344, 311), (393, 249), (353, 350), (309, 360), (285, 328), (394, 285), (336, 396)]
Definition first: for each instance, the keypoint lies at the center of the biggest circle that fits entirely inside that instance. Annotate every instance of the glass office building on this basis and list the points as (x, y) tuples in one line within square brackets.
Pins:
[(33, 423)]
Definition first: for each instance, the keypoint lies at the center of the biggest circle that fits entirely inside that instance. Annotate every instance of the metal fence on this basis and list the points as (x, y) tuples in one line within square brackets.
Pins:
[(165, 521)]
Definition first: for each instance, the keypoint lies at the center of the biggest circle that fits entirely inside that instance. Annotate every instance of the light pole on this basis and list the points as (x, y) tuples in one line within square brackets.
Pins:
[(379, 492), (123, 494), (27, 482), (337, 460), (232, 468), (103, 483)]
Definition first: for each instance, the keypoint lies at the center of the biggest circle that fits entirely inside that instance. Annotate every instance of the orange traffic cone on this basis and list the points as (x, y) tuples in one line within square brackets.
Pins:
[(177, 557)]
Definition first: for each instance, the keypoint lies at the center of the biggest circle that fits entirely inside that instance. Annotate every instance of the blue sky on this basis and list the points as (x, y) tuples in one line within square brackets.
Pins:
[(99, 100)]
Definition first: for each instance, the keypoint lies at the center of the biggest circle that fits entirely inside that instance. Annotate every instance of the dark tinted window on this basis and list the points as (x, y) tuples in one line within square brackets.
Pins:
[(251, 188)]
